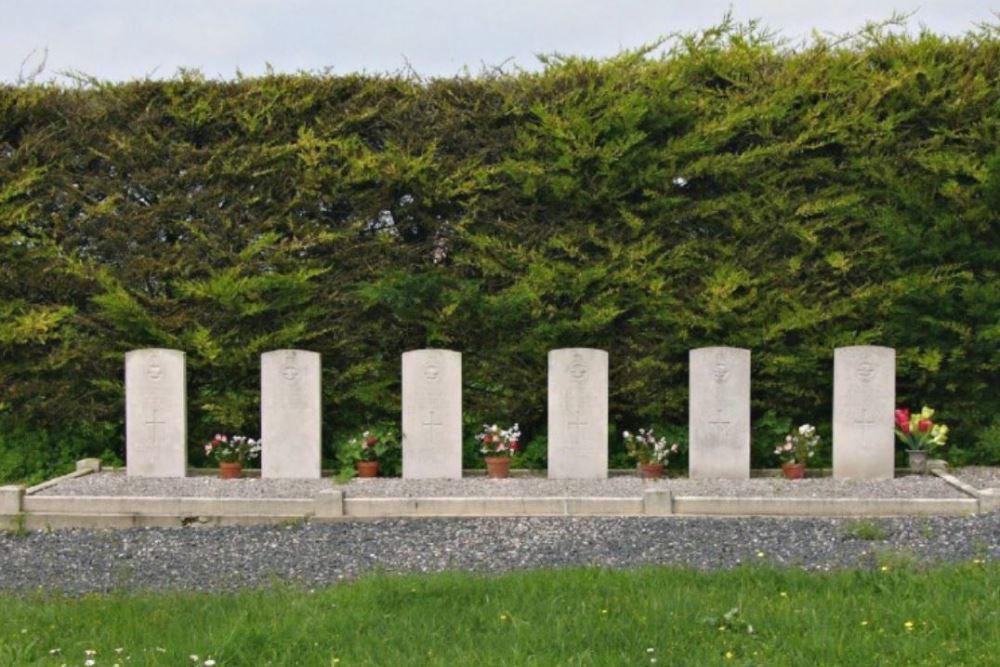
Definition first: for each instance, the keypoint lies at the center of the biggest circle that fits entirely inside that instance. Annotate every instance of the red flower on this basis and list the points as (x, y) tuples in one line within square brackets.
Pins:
[(487, 438), (902, 417), (905, 427), (371, 441), (925, 425), (514, 446)]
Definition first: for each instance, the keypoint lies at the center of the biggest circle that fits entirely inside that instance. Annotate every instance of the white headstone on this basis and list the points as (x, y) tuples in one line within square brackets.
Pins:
[(578, 414), (864, 398), (432, 414), (155, 413), (719, 413), (290, 414)]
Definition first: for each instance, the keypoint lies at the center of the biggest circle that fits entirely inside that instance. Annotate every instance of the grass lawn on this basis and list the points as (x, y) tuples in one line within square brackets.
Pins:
[(891, 616)]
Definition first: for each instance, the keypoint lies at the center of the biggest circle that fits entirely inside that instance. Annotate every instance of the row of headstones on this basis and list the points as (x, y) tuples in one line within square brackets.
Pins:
[(719, 422)]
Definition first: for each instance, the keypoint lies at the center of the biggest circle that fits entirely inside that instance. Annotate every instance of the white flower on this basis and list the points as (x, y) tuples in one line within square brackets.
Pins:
[(194, 658), (679, 181), (89, 662), (209, 663)]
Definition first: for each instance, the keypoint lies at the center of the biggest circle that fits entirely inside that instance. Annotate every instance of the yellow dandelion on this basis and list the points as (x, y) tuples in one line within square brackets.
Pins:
[(783, 594), (908, 625), (760, 554), (864, 622), (730, 655), (884, 568)]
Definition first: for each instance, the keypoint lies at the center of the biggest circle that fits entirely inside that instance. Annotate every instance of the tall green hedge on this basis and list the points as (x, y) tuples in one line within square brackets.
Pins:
[(728, 192)]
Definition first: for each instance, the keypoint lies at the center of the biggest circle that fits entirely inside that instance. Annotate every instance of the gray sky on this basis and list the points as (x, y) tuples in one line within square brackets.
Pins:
[(127, 39)]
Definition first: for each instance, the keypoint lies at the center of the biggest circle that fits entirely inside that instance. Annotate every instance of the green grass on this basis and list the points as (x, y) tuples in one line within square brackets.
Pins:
[(564, 617), (866, 529)]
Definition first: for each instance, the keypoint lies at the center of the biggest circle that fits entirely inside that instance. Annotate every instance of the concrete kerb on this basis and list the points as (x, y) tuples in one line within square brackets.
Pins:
[(83, 467), (11, 500), (817, 507), (987, 499)]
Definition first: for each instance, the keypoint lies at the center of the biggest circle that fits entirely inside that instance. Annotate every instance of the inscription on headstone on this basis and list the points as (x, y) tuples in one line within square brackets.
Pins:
[(719, 415), (290, 414), (155, 413), (578, 414), (864, 396), (432, 414)]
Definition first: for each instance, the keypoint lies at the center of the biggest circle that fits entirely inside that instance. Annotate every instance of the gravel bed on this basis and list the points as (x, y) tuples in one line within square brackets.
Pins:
[(980, 477), (118, 484), (912, 486), (81, 561)]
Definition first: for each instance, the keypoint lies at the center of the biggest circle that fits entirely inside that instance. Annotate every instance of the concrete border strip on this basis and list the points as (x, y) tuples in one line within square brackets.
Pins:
[(168, 506), (989, 499), (763, 506), (491, 506), (83, 467)]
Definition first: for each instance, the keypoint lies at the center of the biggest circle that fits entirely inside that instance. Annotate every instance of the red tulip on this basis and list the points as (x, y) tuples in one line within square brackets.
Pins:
[(925, 425), (905, 427), (902, 417)]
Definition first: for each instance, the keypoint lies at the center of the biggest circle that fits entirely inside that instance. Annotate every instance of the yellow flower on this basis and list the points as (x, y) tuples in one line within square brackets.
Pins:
[(730, 655), (884, 568), (783, 594), (864, 622), (760, 554), (908, 625), (926, 413)]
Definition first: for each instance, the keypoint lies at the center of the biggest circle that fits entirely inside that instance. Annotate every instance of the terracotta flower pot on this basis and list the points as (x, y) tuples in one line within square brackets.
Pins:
[(230, 469), (918, 460), (367, 468), (794, 470), (498, 467), (651, 470)]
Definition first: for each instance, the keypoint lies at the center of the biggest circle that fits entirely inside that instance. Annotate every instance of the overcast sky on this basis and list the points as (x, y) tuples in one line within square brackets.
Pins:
[(127, 39)]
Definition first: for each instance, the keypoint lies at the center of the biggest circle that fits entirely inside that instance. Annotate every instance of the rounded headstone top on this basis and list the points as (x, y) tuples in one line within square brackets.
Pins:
[(433, 350), (154, 351), (290, 350)]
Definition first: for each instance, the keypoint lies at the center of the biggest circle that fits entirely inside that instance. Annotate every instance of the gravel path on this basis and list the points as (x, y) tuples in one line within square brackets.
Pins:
[(79, 561), (979, 477), (117, 484)]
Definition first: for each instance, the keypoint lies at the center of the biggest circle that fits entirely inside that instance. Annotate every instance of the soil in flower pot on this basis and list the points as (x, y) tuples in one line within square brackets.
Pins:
[(918, 461), (498, 467), (794, 470), (367, 468), (651, 470), (230, 469)]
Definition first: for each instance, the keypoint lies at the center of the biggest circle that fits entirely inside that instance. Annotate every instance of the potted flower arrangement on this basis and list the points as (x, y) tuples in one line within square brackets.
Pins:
[(652, 453), (361, 455), (231, 453), (498, 447), (919, 433), (798, 447)]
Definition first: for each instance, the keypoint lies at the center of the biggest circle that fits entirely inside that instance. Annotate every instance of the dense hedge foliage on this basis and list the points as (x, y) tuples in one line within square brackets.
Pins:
[(728, 192)]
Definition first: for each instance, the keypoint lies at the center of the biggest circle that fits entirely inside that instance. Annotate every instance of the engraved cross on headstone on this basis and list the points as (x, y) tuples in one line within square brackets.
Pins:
[(576, 423), (153, 422), (865, 421), (723, 424), (432, 422)]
